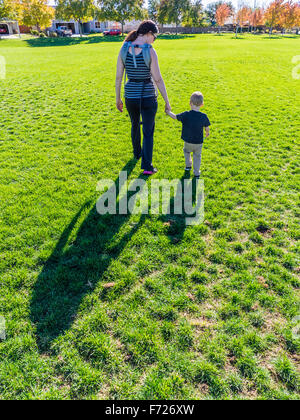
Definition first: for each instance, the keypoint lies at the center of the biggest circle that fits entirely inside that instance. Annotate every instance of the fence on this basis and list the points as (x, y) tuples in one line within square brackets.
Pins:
[(200, 30)]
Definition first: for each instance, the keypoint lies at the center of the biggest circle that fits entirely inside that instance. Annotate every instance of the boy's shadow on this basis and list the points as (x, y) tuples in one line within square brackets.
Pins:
[(75, 268)]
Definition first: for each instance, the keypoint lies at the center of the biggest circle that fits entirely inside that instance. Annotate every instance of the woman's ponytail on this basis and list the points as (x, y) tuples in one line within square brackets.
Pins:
[(132, 36)]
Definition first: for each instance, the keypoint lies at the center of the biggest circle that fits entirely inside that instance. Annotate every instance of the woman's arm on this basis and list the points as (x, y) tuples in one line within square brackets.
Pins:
[(119, 78), (157, 77)]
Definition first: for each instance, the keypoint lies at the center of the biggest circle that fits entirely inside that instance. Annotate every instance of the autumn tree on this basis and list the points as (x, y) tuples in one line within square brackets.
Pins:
[(37, 13), (6, 9), (242, 18), (289, 15), (10, 9), (257, 18), (297, 24), (273, 14), (78, 10), (120, 10), (222, 13), (211, 10)]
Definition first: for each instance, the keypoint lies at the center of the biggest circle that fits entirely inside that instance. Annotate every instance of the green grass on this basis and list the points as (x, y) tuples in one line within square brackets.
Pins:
[(196, 312)]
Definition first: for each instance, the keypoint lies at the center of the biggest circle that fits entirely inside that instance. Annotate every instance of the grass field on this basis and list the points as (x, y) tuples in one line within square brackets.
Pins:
[(196, 312)]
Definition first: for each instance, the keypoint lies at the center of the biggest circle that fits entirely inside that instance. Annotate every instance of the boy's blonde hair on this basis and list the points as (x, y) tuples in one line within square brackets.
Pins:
[(197, 99)]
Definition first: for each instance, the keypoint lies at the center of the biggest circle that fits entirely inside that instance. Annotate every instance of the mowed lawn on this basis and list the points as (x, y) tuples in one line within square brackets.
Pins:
[(195, 312)]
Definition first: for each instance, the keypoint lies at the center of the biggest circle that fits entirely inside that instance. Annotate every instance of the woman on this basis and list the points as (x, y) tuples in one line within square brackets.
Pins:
[(140, 92)]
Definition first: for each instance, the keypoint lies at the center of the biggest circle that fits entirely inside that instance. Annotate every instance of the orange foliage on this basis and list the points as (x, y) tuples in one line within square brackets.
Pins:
[(222, 13), (242, 16), (257, 17), (273, 14), (289, 15)]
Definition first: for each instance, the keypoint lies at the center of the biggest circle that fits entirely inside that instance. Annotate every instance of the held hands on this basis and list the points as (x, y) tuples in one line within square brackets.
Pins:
[(167, 108), (119, 105)]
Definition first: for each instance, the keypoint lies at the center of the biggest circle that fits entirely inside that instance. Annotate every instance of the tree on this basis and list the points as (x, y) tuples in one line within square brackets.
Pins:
[(37, 13), (289, 15), (273, 14), (78, 10), (194, 15), (257, 18), (242, 17), (153, 9), (212, 9), (120, 10), (5, 9), (10, 9), (163, 10), (222, 13), (297, 23), (173, 11)]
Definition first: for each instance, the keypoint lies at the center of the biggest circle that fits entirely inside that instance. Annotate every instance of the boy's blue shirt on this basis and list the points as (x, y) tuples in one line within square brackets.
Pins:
[(193, 123)]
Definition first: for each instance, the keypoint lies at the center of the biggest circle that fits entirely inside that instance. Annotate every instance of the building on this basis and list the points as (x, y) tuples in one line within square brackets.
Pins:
[(94, 26), (88, 27), (9, 27)]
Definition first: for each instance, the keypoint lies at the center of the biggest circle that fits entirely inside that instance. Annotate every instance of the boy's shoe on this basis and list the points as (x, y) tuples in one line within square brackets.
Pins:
[(188, 168), (197, 176), (152, 172)]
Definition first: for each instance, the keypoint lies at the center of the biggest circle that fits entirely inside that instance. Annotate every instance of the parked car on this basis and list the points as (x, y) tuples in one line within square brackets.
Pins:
[(64, 31), (112, 32), (3, 30)]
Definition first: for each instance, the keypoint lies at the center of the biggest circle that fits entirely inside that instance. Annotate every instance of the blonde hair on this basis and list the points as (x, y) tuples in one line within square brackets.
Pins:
[(197, 99)]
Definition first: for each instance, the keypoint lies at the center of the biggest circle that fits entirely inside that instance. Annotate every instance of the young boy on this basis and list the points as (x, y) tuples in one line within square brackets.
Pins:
[(193, 123)]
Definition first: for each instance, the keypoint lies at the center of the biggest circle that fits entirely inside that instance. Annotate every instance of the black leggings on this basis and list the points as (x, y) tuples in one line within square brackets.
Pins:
[(148, 108)]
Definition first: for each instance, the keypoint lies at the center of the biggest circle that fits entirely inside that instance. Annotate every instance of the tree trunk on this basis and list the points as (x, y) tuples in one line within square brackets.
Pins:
[(122, 24), (236, 32), (80, 28), (18, 29)]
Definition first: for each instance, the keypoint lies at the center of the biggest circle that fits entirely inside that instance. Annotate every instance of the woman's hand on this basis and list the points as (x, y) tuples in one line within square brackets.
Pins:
[(119, 105), (167, 107)]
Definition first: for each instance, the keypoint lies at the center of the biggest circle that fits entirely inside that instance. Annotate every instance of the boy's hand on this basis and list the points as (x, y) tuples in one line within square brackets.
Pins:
[(167, 108)]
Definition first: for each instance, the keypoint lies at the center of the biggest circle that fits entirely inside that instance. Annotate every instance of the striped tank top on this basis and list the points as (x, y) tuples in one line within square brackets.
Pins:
[(133, 90)]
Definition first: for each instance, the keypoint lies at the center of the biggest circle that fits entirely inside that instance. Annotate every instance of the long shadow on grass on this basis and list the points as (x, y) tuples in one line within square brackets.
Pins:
[(62, 42), (75, 268)]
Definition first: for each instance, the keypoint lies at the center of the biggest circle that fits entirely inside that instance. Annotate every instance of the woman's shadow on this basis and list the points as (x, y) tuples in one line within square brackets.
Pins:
[(76, 267)]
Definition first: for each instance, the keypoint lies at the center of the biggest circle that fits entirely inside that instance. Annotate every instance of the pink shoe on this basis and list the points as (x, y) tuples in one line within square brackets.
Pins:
[(154, 170)]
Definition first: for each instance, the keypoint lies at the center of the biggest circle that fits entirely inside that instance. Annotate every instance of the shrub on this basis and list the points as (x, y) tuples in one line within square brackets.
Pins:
[(34, 32), (42, 35)]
